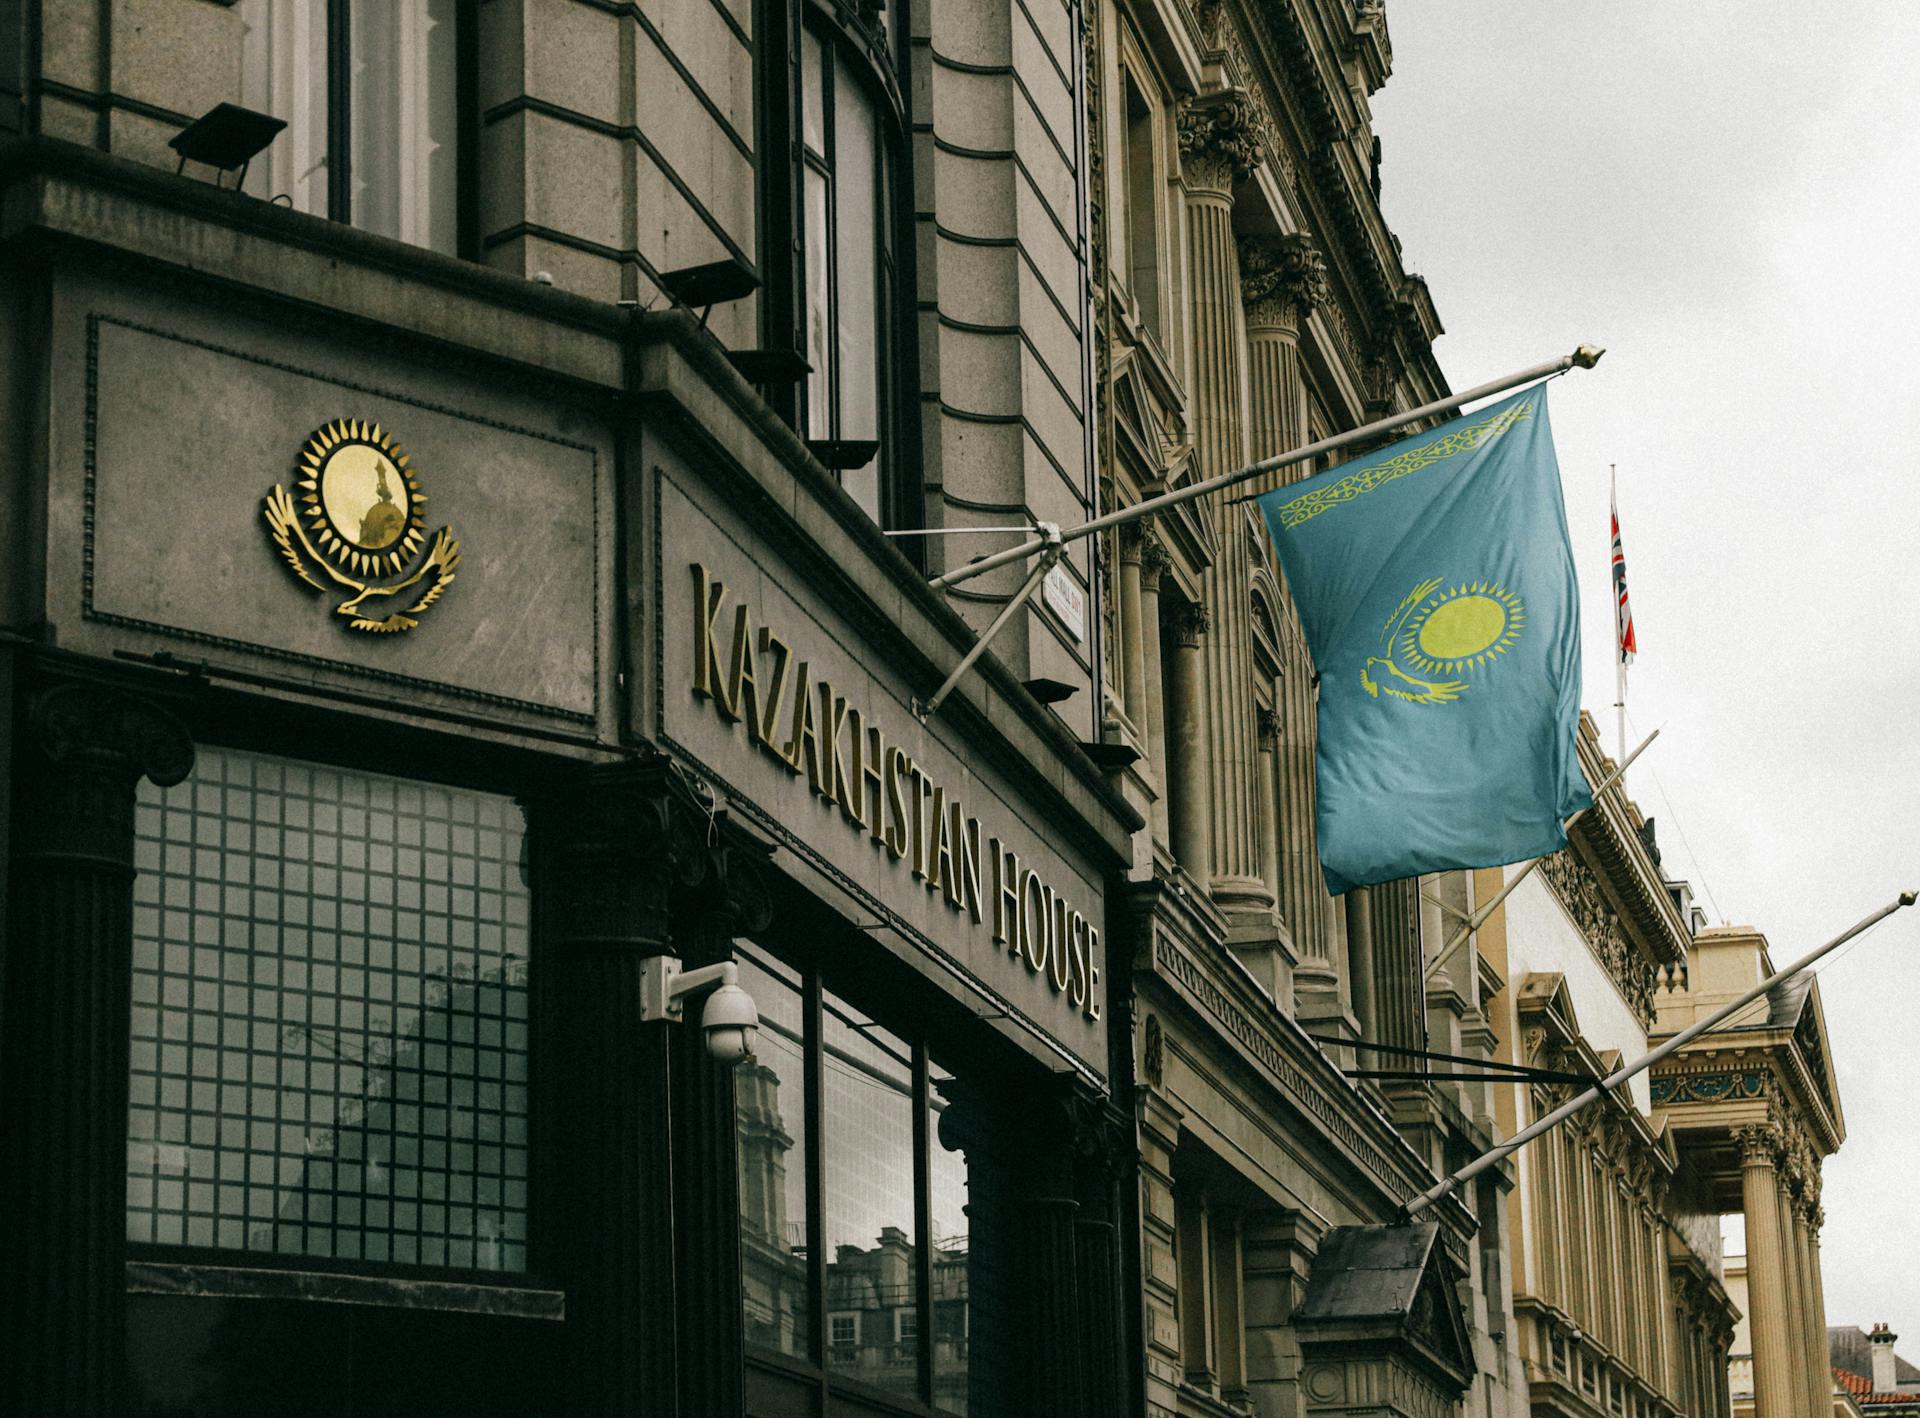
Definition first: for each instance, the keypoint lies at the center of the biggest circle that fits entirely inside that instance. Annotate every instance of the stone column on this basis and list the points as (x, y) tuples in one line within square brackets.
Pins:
[(80, 749), (609, 845), (1773, 1386), (1360, 991), (1269, 955), (1282, 281), (1277, 1253), (733, 901), (1153, 565), (1813, 1325), (1794, 1296), (1133, 669), (1816, 1218), (1220, 146), (1188, 813)]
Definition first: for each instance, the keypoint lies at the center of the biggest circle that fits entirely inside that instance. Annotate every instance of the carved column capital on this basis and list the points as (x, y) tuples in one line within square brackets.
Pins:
[(1759, 1144), (93, 742), (1154, 558), (622, 841), (1266, 727), (1187, 622), (1283, 280), (1221, 142)]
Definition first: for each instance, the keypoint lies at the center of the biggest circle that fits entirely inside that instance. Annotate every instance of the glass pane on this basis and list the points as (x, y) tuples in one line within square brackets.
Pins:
[(819, 310), (856, 228), (857, 303), (770, 1115), (952, 1322), (872, 1252), (329, 1029), (283, 71), (813, 61), (402, 81)]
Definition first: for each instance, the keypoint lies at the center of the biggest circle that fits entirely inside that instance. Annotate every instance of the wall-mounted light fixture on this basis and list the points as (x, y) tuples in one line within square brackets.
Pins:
[(729, 1019), (227, 137)]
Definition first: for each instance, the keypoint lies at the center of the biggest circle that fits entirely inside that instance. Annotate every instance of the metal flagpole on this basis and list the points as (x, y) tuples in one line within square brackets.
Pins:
[(1470, 924), (1583, 358), (1053, 541), (1619, 1076), (1619, 643)]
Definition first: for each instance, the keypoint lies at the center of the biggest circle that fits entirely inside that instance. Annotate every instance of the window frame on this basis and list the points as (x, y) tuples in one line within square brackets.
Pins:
[(815, 1369), (874, 40), (317, 738), (337, 139)]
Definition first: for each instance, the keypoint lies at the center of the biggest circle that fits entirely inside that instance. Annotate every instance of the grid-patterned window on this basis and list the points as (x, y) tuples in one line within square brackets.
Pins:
[(329, 1033)]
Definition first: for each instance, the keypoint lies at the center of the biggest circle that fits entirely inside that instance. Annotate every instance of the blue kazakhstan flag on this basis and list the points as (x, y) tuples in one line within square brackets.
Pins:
[(1435, 583)]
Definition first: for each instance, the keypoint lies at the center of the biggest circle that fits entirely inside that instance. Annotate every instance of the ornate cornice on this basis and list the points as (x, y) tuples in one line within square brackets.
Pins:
[(1222, 141), (1579, 891), (1283, 280)]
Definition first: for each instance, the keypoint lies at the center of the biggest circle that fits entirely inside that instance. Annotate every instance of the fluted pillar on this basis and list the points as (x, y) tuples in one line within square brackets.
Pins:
[(609, 846), (1773, 1385), (1816, 1218), (1189, 822), (1133, 669), (1812, 1317), (1219, 146), (1153, 565), (1795, 1307), (80, 749)]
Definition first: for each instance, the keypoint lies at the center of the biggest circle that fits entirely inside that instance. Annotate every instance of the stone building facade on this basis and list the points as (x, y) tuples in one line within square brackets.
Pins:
[(1619, 1290), (1248, 299), (446, 584)]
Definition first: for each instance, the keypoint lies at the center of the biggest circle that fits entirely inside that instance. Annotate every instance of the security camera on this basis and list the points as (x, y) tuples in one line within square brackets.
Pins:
[(729, 1021), (729, 1017)]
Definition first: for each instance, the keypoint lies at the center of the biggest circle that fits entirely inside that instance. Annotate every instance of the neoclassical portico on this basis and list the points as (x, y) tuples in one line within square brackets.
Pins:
[(1755, 1105)]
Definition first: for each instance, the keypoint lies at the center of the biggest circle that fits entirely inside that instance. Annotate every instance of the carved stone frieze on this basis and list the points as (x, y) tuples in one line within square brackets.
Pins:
[(1723, 1087), (1578, 890), (1283, 279)]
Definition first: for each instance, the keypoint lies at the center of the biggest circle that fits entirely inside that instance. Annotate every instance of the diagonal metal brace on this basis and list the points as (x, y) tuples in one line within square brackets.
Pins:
[(1508, 1072), (1054, 548)]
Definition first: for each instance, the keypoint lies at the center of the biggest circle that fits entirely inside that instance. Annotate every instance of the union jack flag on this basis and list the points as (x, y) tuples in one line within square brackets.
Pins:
[(1622, 611)]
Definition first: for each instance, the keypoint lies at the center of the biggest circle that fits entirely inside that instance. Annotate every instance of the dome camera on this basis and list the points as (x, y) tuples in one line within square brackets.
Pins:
[(729, 1022), (728, 1018)]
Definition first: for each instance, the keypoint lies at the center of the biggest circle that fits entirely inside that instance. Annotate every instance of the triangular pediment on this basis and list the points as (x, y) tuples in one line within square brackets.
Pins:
[(1389, 1289)]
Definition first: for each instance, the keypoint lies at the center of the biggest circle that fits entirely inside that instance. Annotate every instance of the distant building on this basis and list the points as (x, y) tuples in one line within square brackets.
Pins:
[(1869, 1375)]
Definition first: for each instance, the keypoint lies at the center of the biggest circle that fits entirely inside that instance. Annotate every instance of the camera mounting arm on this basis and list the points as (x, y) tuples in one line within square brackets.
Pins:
[(729, 1018)]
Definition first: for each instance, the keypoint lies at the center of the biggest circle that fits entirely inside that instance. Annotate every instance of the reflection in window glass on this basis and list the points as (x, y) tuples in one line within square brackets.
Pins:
[(770, 1114), (329, 1029), (872, 1253), (283, 71)]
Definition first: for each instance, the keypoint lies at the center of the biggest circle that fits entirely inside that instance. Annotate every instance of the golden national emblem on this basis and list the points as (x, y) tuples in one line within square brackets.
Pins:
[(356, 516)]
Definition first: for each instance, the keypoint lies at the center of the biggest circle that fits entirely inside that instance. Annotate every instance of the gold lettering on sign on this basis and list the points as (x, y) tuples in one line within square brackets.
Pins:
[(749, 674)]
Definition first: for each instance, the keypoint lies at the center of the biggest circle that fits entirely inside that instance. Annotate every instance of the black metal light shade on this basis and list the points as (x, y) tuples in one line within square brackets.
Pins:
[(715, 283), (843, 455), (227, 136)]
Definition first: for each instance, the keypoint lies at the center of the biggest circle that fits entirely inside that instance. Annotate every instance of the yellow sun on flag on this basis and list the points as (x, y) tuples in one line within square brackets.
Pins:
[(1461, 628)]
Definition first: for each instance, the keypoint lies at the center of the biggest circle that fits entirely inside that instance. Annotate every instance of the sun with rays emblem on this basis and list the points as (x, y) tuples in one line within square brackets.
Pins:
[(1440, 633), (357, 512)]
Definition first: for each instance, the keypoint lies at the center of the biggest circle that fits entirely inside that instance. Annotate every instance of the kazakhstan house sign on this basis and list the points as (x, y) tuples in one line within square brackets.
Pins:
[(356, 516)]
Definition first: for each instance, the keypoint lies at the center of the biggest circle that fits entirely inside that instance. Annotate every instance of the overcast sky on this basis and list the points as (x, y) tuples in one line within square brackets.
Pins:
[(1722, 194)]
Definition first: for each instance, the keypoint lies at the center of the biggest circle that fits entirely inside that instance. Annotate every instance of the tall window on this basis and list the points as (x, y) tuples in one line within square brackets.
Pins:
[(854, 1214), (329, 1031), (369, 90), (1142, 210), (846, 216)]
